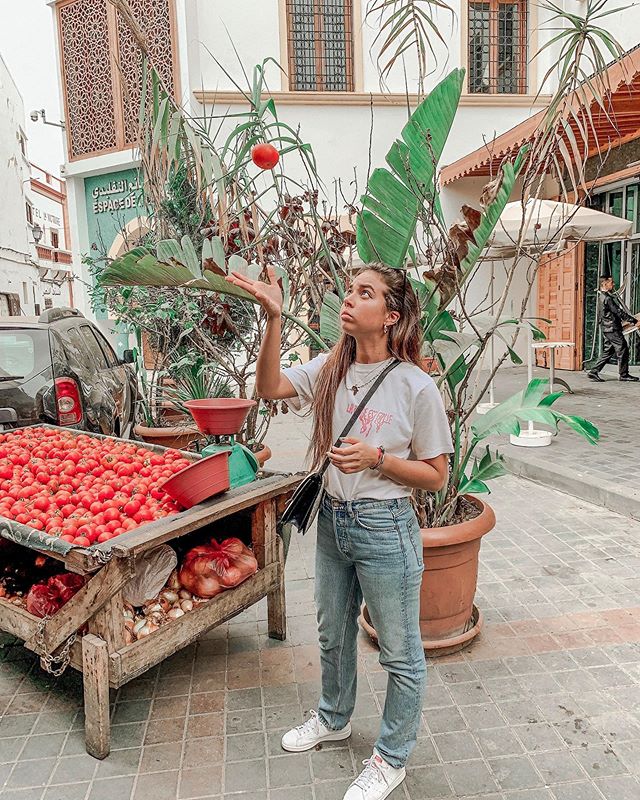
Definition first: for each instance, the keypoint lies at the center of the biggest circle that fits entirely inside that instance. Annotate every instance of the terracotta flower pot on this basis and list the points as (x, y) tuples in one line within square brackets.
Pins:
[(448, 618), (178, 436), (263, 455)]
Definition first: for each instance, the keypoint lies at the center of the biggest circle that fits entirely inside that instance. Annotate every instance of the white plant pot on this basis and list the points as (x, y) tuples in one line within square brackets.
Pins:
[(532, 438)]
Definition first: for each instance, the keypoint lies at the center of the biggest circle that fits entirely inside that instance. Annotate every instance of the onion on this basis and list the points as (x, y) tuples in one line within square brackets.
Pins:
[(173, 582), (169, 595), (175, 613), (184, 594), (186, 605), (139, 625)]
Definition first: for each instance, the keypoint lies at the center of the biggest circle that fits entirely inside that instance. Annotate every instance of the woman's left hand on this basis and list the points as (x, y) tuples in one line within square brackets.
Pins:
[(355, 458)]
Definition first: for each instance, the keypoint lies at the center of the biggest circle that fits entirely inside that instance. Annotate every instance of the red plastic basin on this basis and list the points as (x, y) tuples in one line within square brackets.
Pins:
[(219, 416), (198, 481)]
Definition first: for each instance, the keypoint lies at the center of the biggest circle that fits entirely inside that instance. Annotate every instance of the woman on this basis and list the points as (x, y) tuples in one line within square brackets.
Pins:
[(368, 542)]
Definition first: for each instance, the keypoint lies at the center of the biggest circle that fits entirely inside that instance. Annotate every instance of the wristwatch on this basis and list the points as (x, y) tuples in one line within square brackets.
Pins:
[(380, 461)]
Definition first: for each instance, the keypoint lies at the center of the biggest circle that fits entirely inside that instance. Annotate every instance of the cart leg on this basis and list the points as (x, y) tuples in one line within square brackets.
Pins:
[(276, 604), (95, 658)]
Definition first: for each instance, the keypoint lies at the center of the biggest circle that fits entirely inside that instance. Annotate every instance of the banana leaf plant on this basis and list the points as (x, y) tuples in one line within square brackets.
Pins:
[(401, 225)]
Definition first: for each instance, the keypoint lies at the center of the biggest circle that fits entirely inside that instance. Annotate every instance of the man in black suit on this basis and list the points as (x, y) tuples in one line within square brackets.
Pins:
[(612, 315)]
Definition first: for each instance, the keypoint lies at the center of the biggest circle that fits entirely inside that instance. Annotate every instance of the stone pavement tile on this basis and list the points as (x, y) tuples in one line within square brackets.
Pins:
[(66, 791), (279, 695), (22, 724), (436, 697), (458, 746), (204, 781), (491, 668), (112, 789), (424, 783), (498, 742), (26, 774), (538, 684), (333, 764), (581, 790), (169, 708), (515, 772), (289, 772), (444, 720), (131, 711), (503, 689), (600, 760), (456, 673), (10, 748), (624, 787), (120, 762), (468, 693), (539, 737), (557, 766), (172, 730), (281, 717), (52, 722), (243, 698), (529, 794), (245, 776), (520, 711), (470, 777), (629, 753), (482, 716), (295, 793), (202, 724), (42, 746), (156, 786), (331, 790), (617, 726), (161, 757)]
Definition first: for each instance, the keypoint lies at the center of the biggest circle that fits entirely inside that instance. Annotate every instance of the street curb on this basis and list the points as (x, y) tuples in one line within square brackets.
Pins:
[(602, 493)]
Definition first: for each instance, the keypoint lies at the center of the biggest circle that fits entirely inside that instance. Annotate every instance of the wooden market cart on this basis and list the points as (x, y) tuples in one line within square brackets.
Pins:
[(101, 654)]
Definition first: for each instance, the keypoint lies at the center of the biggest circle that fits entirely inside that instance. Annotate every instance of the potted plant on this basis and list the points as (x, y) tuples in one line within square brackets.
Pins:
[(400, 224)]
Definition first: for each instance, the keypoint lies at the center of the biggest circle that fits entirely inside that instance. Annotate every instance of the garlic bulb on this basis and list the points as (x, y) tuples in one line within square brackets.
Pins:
[(175, 613), (186, 605)]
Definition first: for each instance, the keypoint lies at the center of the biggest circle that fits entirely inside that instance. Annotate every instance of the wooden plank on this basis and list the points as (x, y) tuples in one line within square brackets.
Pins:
[(163, 530), (95, 659), (140, 656), (276, 600), (17, 620), (108, 623), (83, 605)]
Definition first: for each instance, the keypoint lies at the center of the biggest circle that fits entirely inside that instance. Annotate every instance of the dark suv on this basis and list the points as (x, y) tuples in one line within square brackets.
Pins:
[(60, 369)]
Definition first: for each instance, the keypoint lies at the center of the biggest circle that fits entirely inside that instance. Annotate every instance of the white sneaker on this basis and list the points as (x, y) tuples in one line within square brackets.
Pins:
[(376, 781), (311, 733)]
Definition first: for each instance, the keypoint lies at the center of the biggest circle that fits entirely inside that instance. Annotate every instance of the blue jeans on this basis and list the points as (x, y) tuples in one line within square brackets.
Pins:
[(371, 549)]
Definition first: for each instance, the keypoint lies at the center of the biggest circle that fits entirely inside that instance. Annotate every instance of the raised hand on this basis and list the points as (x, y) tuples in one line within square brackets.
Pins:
[(269, 295)]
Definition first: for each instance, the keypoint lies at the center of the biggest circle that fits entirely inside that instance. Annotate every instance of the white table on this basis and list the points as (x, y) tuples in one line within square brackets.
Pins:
[(553, 346)]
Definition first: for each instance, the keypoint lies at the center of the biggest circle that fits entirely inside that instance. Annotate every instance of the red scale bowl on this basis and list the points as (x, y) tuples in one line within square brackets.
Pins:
[(199, 481), (220, 416)]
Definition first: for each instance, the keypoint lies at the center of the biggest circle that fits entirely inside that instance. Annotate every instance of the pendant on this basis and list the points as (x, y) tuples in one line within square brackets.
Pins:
[(354, 389)]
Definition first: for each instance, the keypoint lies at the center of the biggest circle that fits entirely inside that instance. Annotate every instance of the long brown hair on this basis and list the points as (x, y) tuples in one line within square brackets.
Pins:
[(404, 343)]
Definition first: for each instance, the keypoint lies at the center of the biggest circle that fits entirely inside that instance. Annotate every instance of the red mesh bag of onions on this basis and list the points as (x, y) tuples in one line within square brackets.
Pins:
[(211, 568), (45, 599)]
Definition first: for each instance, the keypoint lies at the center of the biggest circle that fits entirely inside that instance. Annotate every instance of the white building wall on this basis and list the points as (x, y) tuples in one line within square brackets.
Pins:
[(17, 274)]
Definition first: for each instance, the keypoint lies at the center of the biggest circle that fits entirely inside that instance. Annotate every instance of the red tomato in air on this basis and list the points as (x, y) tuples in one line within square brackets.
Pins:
[(264, 155)]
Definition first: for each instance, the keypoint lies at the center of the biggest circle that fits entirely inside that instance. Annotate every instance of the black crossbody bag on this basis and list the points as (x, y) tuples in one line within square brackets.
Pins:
[(303, 507)]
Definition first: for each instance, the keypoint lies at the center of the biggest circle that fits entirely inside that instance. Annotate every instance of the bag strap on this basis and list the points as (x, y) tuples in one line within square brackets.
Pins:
[(360, 408)]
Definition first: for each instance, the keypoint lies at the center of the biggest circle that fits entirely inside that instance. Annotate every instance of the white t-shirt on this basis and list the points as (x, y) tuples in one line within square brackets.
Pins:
[(405, 415)]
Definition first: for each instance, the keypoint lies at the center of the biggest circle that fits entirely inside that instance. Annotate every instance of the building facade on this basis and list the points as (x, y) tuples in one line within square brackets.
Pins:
[(19, 278), (322, 60), (35, 244)]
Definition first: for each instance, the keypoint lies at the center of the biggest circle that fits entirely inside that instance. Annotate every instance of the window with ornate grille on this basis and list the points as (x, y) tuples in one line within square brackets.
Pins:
[(101, 69), (320, 45), (498, 47)]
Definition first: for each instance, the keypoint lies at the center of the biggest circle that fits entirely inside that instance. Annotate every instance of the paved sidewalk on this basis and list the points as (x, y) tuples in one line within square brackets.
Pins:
[(544, 706), (607, 474)]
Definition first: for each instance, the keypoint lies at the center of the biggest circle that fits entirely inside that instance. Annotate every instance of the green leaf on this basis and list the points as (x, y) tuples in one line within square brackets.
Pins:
[(530, 405), (330, 329), (394, 200)]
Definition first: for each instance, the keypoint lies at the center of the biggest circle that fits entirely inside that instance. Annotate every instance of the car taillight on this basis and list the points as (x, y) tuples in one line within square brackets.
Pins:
[(68, 403)]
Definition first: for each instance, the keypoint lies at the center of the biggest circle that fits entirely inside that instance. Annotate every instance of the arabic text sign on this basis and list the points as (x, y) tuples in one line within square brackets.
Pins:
[(116, 195)]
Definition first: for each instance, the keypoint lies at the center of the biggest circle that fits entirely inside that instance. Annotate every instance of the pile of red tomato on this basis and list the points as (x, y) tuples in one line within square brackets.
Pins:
[(81, 488)]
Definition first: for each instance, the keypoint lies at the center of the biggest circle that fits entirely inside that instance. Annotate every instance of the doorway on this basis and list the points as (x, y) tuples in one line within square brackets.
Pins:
[(620, 260)]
